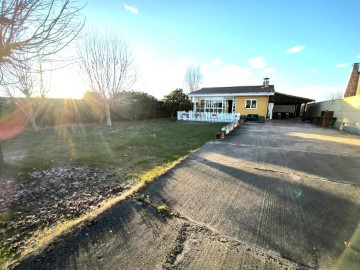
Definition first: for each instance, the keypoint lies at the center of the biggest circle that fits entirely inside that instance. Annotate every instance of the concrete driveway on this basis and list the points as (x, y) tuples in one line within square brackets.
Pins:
[(280, 195)]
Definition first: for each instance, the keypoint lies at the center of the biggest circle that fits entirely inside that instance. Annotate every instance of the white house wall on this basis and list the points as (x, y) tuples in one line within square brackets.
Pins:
[(346, 111)]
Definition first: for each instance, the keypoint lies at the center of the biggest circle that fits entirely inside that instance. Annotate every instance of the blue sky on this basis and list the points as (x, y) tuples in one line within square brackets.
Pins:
[(307, 48)]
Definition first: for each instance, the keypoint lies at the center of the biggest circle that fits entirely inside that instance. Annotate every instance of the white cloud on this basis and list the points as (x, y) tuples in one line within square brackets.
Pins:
[(341, 65), (314, 70), (295, 49), (216, 61), (257, 62), (131, 9), (269, 70)]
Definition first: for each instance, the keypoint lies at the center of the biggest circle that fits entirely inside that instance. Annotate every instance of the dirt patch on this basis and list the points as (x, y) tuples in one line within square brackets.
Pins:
[(42, 198)]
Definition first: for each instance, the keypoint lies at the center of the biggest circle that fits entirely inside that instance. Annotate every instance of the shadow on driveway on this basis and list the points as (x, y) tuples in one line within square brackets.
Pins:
[(269, 197)]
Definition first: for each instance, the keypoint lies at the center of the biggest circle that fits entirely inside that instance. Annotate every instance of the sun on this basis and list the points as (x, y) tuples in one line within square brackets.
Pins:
[(67, 84)]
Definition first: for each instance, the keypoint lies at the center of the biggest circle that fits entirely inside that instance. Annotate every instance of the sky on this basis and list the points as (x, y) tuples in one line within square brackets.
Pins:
[(306, 48)]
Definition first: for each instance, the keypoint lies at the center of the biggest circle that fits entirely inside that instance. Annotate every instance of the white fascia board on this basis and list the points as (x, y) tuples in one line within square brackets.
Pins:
[(232, 95)]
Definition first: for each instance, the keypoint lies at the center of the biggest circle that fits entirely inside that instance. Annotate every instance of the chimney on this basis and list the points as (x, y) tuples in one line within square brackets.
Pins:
[(266, 82), (353, 84)]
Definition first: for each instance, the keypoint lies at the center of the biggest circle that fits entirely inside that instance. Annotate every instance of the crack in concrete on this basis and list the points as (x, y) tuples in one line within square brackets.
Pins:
[(176, 251), (302, 175), (189, 225), (175, 257), (310, 176), (278, 148)]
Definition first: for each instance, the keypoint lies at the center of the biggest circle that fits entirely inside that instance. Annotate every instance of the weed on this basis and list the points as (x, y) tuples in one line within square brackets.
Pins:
[(144, 199), (163, 209), (6, 216)]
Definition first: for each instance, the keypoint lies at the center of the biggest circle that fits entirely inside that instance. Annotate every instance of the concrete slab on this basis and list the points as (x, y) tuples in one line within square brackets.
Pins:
[(204, 249), (130, 236), (275, 192), (134, 235)]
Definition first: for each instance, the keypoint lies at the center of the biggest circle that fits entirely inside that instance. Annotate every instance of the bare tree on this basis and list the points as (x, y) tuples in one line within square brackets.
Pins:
[(193, 77), (33, 28), (26, 83), (107, 65), (335, 95)]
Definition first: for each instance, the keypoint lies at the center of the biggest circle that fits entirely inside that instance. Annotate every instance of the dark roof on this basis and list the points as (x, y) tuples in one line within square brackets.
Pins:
[(285, 99), (235, 90), (275, 97)]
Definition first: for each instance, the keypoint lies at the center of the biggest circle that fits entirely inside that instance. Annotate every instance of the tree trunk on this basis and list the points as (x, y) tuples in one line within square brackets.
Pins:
[(33, 123), (107, 114), (2, 163), (30, 112)]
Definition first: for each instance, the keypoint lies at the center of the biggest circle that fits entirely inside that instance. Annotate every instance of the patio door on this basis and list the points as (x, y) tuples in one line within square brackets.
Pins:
[(229, 105)]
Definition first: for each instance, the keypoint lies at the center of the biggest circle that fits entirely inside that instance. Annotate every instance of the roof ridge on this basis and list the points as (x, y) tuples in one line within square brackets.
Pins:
[(237, 86)]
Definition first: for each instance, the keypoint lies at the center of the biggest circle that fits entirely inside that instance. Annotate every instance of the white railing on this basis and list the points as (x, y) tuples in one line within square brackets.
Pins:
[(208, 117)]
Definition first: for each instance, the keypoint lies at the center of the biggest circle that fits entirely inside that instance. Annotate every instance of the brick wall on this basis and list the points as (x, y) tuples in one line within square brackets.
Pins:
[(354, 83), (346, 110)]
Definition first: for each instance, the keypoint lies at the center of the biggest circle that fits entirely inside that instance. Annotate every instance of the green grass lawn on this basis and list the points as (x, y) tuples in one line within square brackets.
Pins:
[(127, 149)]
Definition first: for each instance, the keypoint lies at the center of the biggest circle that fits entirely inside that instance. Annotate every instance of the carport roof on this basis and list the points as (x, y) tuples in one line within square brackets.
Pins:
[(285, 99)]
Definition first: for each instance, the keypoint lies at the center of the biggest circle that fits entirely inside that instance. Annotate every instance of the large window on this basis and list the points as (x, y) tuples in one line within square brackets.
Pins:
[(216, 105), (213, 106), (251, 103)]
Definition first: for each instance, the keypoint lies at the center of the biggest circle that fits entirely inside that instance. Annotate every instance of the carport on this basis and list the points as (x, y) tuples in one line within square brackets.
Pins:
[(286, 106)]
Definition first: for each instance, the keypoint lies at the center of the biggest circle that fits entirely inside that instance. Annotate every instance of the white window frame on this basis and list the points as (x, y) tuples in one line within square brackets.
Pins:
[(251, 103), (210, 105), (213, 104)]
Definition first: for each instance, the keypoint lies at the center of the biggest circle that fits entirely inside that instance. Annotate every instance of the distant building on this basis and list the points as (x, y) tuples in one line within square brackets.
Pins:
[(353, 87)]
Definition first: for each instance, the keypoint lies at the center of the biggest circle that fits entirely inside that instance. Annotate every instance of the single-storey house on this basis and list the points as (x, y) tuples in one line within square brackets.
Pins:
[(227, 104)]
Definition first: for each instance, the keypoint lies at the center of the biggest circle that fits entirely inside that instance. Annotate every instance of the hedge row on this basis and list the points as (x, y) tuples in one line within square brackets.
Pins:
[(64, 111)]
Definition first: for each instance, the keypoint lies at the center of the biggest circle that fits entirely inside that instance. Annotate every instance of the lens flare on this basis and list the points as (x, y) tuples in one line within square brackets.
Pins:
[(349, 258), (12, 124)]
